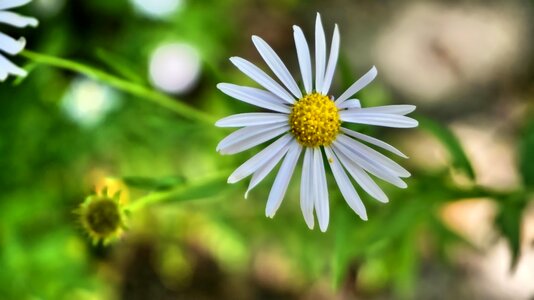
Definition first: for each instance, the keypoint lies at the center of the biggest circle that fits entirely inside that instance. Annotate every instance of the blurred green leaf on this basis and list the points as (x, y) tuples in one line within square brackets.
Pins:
[(345, 73), (526, 152), (205, 189), (406, 261), (508, 221), (200, 189), (341, 256), (119, 65), (158, 184), (450, 141)]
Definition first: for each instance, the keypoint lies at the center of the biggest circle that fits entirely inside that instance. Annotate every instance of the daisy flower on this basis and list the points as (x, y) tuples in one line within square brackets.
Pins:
[(103, 217), (311, 122), (9, 45)]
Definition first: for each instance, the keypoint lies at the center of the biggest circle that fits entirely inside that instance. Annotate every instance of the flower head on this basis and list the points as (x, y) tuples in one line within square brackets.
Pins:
[(310, 121), (103, 217), (9, 45)]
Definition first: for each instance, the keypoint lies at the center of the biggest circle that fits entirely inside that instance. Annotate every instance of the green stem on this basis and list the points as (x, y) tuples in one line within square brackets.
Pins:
[(201, 187), (123, 85)]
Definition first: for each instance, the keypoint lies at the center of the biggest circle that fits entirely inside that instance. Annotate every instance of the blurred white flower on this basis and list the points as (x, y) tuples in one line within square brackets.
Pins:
[(309, 120), (9, 45), (49, 8), (87, 102), (157, 8), (175, 68)]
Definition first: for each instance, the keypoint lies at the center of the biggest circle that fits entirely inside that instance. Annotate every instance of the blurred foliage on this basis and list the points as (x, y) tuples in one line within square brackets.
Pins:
[(449, 140), (525, 151), (205, 233)]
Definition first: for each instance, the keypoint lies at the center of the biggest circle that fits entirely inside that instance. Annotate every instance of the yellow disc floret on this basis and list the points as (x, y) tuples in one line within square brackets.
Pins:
[(314, 120)]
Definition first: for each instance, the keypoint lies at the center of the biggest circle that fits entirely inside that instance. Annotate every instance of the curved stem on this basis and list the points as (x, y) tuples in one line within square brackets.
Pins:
[(123, 85)]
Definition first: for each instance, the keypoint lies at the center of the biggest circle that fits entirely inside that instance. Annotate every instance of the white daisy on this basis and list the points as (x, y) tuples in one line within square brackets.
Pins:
[(9, 45), (309, 120)]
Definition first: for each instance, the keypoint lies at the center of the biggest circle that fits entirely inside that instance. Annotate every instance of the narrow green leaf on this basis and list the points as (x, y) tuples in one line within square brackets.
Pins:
[(451, 143), (526, 153), (407, 264), (340, 259), (508, 221), (210, 187), (158, 184), (119, 65)]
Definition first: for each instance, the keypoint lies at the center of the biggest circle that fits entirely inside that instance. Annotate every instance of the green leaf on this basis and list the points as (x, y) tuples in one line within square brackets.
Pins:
[(200, 190), (119, 65), (451, 143), (406, 266), (508, 221), (159, 184), (210, 187), (341, 255), (526, 152)]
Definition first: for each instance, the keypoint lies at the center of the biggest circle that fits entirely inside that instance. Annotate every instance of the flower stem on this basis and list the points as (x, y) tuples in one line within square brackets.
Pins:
[(141, 91), (204, 188)]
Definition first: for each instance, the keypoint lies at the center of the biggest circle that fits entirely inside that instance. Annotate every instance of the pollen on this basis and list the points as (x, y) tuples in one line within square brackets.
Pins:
[(314, 120)]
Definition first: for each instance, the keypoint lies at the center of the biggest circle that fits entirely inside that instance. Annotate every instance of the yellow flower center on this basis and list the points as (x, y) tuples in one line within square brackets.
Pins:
[(314, 120)]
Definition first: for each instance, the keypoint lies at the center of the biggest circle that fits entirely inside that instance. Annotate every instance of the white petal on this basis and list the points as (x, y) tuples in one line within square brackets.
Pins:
[(17, 20), (322, 208), (373, 155), (252, 119), (373, 141), (349, 104), (369, 165), (260, 159), (320, 53), (276, 65), (358, 85), (10, 45), (7, 4), (306, 186), (254, 96), (332, 62), (345, 186), (303, 53), (8, 67), (361, 177), (3, 75), (389, 109), (261, 78), (282, 179), (377, 119), (264, 170), (248, 137)]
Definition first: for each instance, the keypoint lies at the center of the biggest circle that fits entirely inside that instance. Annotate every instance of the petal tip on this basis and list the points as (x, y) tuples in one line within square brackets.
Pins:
[(374, 71)]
